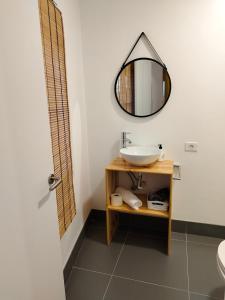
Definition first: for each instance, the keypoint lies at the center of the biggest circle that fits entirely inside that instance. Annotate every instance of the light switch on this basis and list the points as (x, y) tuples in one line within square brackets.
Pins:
[(191, 146)]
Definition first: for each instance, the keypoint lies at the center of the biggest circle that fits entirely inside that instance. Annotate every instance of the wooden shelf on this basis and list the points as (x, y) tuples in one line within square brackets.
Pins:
[(144, 210), (159, 167), (112, 181)]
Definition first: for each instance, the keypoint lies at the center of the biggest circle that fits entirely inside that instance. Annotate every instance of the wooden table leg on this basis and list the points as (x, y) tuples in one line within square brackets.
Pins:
[(170, 217), (169, 236), (112, 222)]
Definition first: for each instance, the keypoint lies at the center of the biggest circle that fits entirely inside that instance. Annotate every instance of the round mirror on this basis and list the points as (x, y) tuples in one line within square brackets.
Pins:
[(142, 87)]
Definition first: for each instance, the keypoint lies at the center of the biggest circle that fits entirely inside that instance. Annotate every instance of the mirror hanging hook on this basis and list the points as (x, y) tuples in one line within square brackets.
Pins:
[(150, 45)]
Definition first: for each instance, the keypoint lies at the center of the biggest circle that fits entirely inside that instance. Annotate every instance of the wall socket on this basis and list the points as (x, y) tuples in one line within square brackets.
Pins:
[(191, 146)]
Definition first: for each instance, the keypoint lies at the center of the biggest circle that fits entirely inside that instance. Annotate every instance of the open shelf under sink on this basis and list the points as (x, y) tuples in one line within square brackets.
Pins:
[(144, 210)]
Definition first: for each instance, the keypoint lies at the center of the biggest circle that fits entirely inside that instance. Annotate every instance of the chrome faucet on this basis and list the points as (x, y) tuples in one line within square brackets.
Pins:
[(124, 139)]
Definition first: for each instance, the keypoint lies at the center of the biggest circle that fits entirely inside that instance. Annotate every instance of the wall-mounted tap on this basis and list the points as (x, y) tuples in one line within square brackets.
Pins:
[(124, 139)]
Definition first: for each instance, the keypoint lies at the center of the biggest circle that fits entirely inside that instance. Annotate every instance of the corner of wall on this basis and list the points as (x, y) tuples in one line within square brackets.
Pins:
[(78, 122)]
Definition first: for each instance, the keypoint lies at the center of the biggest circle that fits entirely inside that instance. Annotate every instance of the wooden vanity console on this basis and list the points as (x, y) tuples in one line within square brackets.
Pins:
[(164, 168)]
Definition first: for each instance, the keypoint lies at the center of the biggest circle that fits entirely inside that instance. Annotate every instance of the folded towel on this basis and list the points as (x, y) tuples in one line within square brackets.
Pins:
[(129, 198), (161, 195)]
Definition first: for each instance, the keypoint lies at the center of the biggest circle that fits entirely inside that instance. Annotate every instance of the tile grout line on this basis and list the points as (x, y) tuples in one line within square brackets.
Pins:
[(121, 250), (78, 253), (131, 279), (142, 281), (92, 271), (150, 283), (188, 279), (157, 237), (81, 246), (180, 240), (203, 244)]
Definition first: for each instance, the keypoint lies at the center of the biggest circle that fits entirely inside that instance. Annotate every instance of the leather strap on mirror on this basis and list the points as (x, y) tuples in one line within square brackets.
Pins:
[(150, 45)]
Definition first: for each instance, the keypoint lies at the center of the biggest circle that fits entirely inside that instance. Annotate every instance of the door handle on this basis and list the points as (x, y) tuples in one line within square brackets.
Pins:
[(54, 182)]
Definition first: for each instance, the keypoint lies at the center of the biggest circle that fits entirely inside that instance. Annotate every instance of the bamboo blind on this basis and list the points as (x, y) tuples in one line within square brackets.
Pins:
[(56, 81)]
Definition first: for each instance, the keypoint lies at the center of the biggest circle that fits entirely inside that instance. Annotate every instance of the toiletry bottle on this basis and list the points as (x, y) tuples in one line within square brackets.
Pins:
[(162, 153)]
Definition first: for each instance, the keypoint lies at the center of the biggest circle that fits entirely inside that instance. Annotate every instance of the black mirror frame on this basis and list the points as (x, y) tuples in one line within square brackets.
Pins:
[(123, 67)]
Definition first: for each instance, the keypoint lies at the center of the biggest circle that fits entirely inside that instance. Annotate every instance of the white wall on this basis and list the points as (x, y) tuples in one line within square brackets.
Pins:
[(74, 63), (188, 35)]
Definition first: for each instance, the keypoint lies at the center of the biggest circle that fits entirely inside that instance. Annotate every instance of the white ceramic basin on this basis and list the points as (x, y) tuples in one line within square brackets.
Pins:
[(140, 155)]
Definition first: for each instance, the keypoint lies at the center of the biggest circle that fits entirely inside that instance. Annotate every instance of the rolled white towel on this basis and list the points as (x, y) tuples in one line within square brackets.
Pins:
[(129, 198)]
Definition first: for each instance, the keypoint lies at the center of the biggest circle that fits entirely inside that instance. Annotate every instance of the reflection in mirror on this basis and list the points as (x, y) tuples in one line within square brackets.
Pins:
[(143, 87)]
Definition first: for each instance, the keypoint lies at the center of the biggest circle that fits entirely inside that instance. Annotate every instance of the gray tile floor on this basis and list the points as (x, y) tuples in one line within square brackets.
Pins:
[(135, 266)]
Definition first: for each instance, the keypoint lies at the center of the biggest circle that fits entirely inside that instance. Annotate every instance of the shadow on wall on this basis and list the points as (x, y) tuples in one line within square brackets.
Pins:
[(43, 200), (86, 208), (114, 150), (99, 192)]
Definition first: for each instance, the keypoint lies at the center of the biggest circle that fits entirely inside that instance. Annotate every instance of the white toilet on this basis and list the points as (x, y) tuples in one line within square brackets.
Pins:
[(221, 261)]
